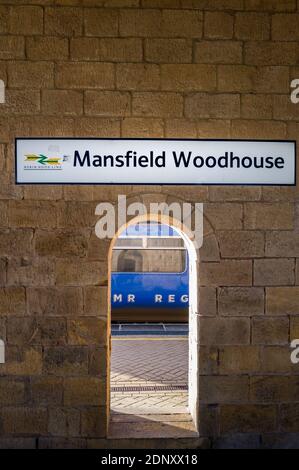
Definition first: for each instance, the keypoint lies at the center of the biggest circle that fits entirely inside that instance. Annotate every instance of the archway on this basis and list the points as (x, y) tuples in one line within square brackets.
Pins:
[(188, 238)]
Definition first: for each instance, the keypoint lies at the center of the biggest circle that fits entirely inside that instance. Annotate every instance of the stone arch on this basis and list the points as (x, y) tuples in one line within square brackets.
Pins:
[(209, 234)]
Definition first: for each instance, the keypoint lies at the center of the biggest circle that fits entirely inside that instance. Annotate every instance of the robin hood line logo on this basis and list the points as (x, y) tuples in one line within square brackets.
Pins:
[(42, 162)]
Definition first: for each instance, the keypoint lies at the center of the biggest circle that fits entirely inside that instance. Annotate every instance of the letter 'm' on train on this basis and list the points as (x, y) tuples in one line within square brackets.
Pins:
[(150, 275)]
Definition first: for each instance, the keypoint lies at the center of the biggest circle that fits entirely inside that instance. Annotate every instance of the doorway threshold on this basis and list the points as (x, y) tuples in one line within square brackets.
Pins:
[(151, 426)]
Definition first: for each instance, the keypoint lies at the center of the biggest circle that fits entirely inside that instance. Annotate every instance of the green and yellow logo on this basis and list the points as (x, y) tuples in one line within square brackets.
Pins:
[(42, 159)]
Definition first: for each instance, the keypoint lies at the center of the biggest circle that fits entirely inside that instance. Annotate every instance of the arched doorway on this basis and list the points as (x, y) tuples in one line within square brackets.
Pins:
[(188, 238)]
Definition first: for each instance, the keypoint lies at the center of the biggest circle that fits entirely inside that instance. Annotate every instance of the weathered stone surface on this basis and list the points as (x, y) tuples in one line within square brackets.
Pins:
[(241, 244), (140, 127), (50, 48), (30, 214), (76, 272), (12, 391), (3, 329), (60, 244), (61, 443), (274, 272), (238, 441), (269, 216), (30, 272), (276, 359), (294, 328), (62, 102), (224, 216), (207, 301), (95, 301), (167, 50), (231, 193), (108, 103), (289, 417), (64, 421), (227, 272), (239, 301), (99, 22), (52, 330), (282, 300), (76, 214), (93, 422), (252, 26), (283, 440), (282, 244), (218, 52), (270, 330), (97, 361), (273, 389), (137, 77), (188, 77), (25, 20), (12, 301), (3, 275), (87, 331), (247, 418), (12, 47), (239, 359), (63, 21), (218, 331), (22, 331), (210, 249), (18, 443), (218, 25), (208, 105), (85, 391), (208, 360), (151, 104), (25, 74), (22, 361), (46, 391), (106, 49), (219, 389), (84, 75), (24, 420), (66, 361), (64, 301)]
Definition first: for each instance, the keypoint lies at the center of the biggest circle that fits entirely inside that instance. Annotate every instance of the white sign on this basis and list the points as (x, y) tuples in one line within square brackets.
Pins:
[(154, 161)]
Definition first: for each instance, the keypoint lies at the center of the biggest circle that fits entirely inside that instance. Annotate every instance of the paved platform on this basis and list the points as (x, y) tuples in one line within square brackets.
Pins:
[(149, 373)]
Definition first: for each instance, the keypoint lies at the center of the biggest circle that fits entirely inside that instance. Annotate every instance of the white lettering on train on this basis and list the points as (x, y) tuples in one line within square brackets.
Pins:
[(117, 298), (131, 298)]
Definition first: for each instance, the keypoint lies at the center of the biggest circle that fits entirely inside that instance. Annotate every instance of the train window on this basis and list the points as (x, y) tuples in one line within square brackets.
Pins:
[(168, 260), (127, 261)]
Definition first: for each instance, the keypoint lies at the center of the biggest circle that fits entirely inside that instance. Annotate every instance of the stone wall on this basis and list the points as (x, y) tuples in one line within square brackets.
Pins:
[(153, 68)]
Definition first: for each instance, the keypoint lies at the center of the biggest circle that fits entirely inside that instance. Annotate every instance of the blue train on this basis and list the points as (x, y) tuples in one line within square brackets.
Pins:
[(150, 275)]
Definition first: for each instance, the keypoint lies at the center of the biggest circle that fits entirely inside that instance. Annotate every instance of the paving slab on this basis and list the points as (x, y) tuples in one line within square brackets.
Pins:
[(149, 374)]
